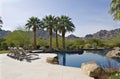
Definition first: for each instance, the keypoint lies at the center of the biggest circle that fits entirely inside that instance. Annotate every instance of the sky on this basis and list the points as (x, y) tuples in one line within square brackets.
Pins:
[(88, 16)]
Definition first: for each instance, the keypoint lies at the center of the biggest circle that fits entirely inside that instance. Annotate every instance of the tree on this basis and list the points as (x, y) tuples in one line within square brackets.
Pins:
[(116, 41), (34, 23), (2, 41), (42, 42), (18, 38), (66, 25), (1, 22), (115, 9), (56, 28), (95, 42), (79, 43), (48, 23)]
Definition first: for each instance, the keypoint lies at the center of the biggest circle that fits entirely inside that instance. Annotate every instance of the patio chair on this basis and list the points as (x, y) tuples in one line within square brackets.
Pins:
[(27, 55), (14, 53)]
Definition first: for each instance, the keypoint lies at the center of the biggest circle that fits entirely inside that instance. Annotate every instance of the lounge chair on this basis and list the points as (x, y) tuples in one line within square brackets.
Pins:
[(20, 54), (27, 55), (14, 53)]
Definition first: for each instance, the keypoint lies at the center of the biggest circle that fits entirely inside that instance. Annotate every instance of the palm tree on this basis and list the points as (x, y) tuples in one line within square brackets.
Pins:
[(1, 22), (34, 23), (56, 28), (115, 9), (48, 23), (66, 25)]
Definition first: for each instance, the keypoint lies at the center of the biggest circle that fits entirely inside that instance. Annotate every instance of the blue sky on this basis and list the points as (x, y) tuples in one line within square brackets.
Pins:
[(89, 16)]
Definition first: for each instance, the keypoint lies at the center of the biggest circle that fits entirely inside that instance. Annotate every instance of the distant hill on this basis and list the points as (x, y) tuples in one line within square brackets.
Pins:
[(44, 34), (3, 33), (72, 37), (104, 34), (40, 33)]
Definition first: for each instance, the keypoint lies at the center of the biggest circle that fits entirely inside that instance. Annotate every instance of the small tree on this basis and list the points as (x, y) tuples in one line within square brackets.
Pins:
[(18, 38)]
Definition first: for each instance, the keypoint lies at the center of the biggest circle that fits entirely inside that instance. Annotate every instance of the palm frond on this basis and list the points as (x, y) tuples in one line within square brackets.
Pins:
[(1, 22), (66, 24), (33, 22), (115, 9), (49, 21)]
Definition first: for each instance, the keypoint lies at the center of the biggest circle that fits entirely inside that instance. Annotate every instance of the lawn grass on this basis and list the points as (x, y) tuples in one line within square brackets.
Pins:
[(114, 76), (4, 51)]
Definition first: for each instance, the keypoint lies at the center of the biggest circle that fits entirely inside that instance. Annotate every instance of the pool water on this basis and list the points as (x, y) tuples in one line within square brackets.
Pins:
[(76, 60)]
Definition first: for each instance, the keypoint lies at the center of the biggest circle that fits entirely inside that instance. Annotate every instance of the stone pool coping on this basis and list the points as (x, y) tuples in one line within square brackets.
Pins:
[(37, 69)]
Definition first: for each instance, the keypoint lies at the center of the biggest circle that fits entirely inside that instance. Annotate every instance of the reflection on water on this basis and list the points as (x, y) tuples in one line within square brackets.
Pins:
[(75, 60), (62, 58)]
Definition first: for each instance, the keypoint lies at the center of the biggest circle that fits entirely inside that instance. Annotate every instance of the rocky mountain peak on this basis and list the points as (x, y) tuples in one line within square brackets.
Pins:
[(104, 34), (72, 37)]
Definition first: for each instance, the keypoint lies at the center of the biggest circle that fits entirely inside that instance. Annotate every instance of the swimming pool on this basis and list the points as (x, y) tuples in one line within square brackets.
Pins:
[(99, 56)]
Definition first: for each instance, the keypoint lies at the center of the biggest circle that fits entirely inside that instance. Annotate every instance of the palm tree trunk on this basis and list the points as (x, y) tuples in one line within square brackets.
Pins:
[(63, 39), (35, 37), (50, 38), (57, 45)]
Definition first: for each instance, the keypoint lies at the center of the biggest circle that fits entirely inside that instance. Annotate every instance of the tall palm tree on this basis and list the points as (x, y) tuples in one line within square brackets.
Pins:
[(115, 9), (66, 25), (1, 22), (56, 28), (34, 23), (48, 23)]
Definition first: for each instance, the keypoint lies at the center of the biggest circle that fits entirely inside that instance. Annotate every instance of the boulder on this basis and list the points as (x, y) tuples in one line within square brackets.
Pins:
[(114, 53), (116, 48), (88, 67), (92, 69), (53, 60)]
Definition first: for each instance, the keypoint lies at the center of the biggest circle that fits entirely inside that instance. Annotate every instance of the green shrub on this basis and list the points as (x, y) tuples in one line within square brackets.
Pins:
[(88, 46), (42, 47), (114, 76)]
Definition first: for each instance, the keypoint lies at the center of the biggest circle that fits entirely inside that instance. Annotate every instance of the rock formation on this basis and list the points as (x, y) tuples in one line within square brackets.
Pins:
[(114, 53), (93, 70)]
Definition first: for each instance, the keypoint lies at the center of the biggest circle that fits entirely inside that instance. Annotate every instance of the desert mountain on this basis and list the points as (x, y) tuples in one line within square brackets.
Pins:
[(105, 34)]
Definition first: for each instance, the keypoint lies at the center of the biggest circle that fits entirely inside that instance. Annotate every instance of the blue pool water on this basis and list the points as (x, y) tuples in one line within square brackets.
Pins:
[(76, 60)]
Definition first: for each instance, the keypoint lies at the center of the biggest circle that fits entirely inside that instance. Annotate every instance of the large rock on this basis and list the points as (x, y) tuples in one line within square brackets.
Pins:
[(53, 60), (93, 70), (116, 48), (114, 53)]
